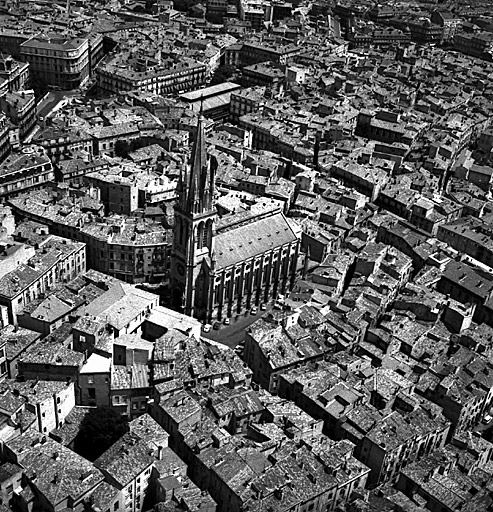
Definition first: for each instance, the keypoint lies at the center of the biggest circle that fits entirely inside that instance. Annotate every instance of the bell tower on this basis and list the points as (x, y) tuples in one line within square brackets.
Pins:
[(193, 233)]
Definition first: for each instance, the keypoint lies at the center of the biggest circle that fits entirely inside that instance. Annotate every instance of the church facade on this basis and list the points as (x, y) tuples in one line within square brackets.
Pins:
[(224, 266)]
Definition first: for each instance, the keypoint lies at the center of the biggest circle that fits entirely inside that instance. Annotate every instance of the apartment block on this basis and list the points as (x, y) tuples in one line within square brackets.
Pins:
[(56, 260), (20, 107), (56, 60), (26, 169)]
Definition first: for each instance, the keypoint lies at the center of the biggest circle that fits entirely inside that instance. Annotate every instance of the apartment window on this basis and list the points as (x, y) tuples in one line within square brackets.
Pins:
[(92, 393), (116, 506), (2, 353), (90, 379)]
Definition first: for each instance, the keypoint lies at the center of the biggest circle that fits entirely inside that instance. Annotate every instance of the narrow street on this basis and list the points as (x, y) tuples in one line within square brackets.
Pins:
[(50, 102)]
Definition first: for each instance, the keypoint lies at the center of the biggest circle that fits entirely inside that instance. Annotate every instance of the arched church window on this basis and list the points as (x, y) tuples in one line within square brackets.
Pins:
[(208, 234), (201, 235)]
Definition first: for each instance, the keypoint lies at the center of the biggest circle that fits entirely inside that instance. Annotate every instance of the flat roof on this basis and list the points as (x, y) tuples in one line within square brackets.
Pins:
[(96, 364), (207, 92)]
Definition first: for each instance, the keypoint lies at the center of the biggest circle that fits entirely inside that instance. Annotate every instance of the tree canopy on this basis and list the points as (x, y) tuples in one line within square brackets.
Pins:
[(223, 74)]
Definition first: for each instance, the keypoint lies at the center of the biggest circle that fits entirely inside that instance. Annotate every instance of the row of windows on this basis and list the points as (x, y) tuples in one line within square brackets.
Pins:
[(47, 281), (26, 182), (262, 275), (265, 259)]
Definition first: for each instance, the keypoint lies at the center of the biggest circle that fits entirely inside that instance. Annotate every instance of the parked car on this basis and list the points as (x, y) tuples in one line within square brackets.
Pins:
[(254, 310), (263, 307), (216, 326), (206, 327), (227, 321)]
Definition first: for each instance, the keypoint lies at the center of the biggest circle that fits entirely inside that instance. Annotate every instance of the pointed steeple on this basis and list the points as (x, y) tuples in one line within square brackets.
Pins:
[(194, 229), (199, 184)]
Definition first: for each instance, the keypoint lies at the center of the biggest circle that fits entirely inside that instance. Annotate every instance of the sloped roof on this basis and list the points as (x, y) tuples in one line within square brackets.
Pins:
[(121, 304), (253, 239), (125, 459)]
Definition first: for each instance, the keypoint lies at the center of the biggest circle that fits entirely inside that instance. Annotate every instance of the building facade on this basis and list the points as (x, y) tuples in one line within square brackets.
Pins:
[(21, 109), (14, 75), (55, 261), (57, 61), (127, 249), (167, 78), (5, 146), (29, 169)]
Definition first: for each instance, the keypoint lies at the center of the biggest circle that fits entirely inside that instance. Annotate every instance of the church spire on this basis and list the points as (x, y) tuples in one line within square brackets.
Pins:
[(200, 177), (194, 230)]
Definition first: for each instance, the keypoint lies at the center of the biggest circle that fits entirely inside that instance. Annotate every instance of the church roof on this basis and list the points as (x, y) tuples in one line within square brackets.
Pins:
[(253, 239)]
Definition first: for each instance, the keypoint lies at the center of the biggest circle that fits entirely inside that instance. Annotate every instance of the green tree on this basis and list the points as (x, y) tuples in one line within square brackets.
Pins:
[(223, 74)]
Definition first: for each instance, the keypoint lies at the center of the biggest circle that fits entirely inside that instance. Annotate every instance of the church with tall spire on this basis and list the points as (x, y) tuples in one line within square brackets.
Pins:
[(216, 273), (194, 231)]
